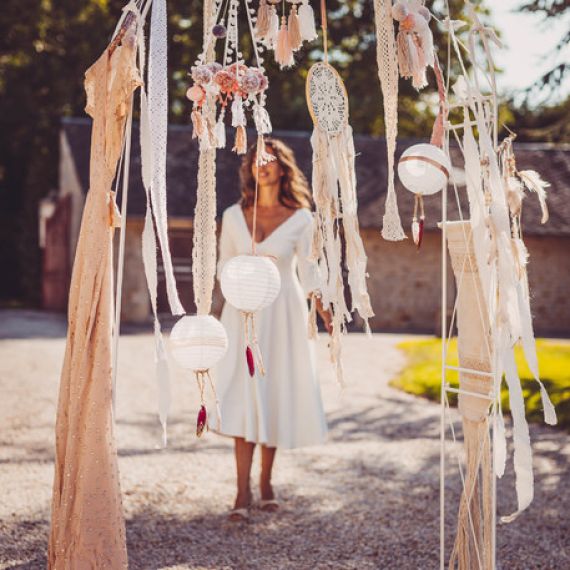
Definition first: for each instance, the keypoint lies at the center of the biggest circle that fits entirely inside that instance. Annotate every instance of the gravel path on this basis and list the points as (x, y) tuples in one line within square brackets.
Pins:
[(369, 498)]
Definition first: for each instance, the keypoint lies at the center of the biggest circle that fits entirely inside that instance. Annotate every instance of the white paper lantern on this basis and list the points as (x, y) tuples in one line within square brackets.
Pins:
[(424, 169), (250, 282), (198, 342)]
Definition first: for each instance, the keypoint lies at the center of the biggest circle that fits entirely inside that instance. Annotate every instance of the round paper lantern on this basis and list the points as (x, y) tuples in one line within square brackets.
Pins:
[(250, 282), (424, 169), (198, 342)]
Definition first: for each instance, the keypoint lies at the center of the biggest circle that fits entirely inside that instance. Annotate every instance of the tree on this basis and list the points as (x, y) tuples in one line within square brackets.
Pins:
[(45, 48)]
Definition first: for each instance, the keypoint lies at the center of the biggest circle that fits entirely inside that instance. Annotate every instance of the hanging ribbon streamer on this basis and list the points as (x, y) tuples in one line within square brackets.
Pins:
[(388, 73), (158, 122)]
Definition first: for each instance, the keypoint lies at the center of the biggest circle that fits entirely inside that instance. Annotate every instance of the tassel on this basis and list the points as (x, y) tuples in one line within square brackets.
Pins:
[(240, 144), (403, 55), (250, 361), (263, 20), (270, 39), (307, 22), (202, 421), (283, 51), (261, 119), (295, 38), (238, 114), (220, 132), (198, 124)]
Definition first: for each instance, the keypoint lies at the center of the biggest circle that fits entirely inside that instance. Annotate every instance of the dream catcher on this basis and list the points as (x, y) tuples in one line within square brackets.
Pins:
[(285, 36), (230, 87), (334, 193)]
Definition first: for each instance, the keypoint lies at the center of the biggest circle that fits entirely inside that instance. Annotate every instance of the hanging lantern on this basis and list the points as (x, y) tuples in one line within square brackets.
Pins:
[(424, 170), (250, 283), (197, 343)]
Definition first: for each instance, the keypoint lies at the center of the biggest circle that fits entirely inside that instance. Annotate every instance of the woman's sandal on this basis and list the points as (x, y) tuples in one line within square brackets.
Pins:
[(239, 515), (269, 505)]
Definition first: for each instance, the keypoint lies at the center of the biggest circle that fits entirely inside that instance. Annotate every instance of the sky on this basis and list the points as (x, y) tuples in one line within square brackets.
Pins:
[(528, 46)]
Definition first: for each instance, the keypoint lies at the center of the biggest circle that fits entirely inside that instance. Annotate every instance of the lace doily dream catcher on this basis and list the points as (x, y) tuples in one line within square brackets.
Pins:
[(334, 193)]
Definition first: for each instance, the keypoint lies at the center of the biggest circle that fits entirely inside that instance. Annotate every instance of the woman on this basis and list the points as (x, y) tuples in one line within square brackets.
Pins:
[(283, 408)]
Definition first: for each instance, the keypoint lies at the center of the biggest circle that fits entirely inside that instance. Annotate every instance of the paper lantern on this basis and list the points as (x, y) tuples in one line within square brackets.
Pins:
[(250, 283), (424, 169), (197, 343)]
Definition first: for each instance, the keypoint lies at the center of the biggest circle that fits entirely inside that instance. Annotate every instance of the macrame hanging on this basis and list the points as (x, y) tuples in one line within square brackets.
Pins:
[(334, 193), (231, 87), (387, 63), (285, 35), (199, 342)]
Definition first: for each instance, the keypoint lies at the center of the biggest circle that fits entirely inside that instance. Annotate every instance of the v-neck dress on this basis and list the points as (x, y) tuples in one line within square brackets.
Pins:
[(284, 407)]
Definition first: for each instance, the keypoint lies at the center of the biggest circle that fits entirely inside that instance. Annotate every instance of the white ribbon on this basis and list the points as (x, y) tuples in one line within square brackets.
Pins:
[(158, 122)]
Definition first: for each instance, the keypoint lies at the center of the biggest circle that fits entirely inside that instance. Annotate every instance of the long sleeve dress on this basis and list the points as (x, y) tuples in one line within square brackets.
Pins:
[(284, 407)]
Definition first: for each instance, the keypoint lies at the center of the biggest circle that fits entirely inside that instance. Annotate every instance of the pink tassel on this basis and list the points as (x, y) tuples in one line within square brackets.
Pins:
[(202, 421), (283, 51), (250, 361), (403, 55), (240, 144), (263, 20), (198, 124), (295, 39)]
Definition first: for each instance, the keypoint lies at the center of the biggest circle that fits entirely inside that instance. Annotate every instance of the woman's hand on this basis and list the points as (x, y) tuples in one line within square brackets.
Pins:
[(325, 315)]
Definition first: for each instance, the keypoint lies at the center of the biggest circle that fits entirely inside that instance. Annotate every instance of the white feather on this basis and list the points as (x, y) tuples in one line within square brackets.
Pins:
[(532, 180)]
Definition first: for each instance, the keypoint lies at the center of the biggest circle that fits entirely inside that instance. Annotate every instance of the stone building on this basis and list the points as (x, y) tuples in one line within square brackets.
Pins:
[(404, 284)]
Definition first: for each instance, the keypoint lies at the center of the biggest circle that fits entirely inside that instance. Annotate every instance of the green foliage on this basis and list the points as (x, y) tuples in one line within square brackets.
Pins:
[(422, 375), (46, 46)]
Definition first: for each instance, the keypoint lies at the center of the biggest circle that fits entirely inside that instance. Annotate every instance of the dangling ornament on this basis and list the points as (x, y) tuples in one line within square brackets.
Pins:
[(250, 283), (424, 169), (198, 343), (334, 193), (414, 40), (231, 88), (287, 35)]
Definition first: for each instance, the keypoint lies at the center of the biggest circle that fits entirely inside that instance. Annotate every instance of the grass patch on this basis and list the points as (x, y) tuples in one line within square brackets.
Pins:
[(422, 375)]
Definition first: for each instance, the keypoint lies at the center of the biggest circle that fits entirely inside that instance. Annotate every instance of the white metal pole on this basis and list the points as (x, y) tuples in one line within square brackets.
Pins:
[(443, 378)]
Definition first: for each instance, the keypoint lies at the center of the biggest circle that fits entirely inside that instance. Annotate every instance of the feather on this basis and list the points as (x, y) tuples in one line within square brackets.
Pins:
[(532, 180), (515, 195)]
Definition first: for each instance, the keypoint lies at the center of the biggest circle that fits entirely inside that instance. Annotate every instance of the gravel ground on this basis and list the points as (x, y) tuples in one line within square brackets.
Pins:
[(369, 498)]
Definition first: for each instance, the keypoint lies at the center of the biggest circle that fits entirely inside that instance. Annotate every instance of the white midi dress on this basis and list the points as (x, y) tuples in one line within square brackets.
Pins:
[(283, 408)]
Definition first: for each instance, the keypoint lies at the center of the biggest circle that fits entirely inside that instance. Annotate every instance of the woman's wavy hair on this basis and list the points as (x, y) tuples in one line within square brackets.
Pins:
[(294, 192)]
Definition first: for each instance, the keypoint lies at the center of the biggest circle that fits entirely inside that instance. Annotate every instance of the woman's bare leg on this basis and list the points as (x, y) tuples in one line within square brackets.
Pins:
[(244, 456), (267, 459)]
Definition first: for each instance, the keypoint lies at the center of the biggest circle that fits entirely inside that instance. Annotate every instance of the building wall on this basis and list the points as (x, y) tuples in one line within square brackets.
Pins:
[(404, 284), (549, 280)]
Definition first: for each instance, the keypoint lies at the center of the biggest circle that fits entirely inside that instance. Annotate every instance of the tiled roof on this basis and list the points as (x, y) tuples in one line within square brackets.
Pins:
[(552, 162)]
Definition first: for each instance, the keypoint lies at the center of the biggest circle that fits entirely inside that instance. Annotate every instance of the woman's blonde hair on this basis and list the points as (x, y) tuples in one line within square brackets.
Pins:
[(294, 192)]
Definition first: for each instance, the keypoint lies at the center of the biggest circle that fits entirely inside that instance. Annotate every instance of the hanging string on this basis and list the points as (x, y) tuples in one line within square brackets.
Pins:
[(325, 30)]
